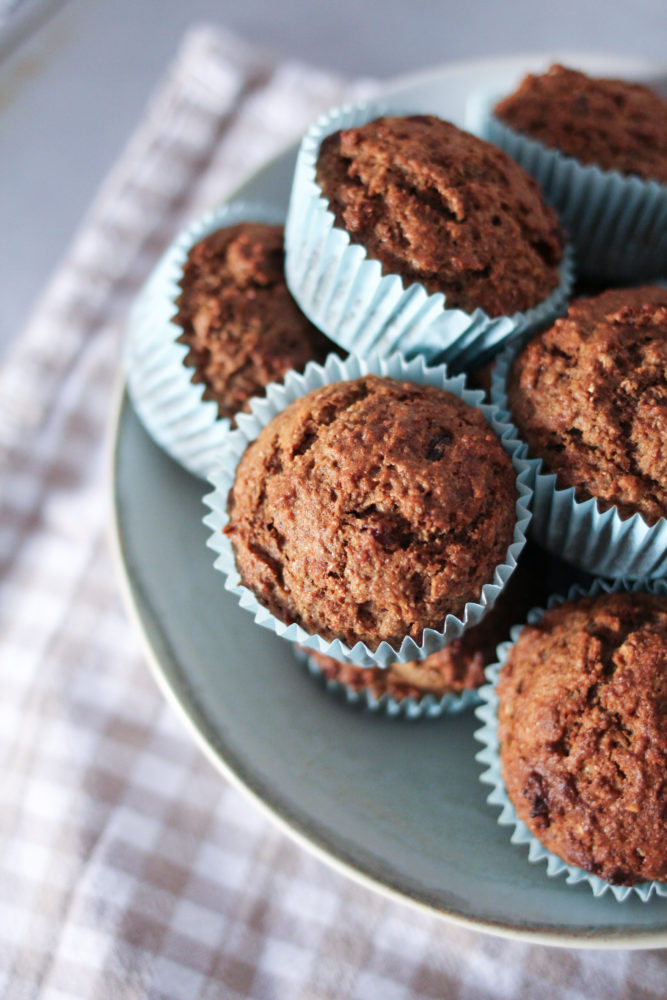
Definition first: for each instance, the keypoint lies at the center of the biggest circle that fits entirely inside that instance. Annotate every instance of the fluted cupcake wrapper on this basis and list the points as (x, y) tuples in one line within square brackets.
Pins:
[(278, 396), (168, 403), (617, 223), (346, 295), (602, 543), (428, 706), (487, 713)]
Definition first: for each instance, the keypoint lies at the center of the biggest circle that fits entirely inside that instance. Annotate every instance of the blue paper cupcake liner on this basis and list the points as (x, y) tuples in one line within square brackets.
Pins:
[(346, 295), (428, 706), (602, 543), (168, 403), (487, 713), (278, 396), (617, 223)]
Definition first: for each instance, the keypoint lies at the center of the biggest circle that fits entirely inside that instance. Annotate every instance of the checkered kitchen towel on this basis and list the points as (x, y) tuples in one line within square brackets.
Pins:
[(129, 867)]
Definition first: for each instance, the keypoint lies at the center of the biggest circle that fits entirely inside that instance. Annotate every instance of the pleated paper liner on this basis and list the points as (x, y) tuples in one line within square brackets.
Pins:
[(278, 396)]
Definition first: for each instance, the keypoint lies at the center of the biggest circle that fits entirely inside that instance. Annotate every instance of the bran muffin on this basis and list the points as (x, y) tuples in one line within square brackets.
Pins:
[(239, 321), (439, 206), (582, 727), (370, 509), (611, 123), (589, 395)]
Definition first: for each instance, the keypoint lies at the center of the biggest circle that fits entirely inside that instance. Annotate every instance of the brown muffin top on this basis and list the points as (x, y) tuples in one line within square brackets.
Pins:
[(437, 205), (583, 734), (616, 125), (240, 322), (457, 667), (589, 395), (370, 509)]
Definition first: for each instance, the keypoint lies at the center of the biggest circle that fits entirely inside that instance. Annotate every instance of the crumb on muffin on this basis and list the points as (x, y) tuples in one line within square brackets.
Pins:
[(582, 726), (612, 123), (589, 395)]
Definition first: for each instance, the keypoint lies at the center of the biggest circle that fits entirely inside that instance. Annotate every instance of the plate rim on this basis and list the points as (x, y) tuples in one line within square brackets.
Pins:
[(132, 599)]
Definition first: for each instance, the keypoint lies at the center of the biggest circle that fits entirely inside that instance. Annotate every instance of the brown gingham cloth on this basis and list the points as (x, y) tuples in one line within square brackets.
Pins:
[(129, 867)]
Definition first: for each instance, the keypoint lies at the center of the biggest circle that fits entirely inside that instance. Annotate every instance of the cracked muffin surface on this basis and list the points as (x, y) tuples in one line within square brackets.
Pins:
[(589, 395), (612, 123), (437, 205), (239, 321), (582, 725), (370, 509)]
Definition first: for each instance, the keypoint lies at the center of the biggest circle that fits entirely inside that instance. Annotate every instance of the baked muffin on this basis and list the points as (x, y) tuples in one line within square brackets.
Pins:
[(589, 396), (239, 321), (598, 150), (582, 727), (611, 123), (370, 509), (438, 206)]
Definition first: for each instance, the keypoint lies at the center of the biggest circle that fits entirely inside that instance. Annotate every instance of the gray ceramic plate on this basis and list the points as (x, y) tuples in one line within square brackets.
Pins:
[(395, 804)]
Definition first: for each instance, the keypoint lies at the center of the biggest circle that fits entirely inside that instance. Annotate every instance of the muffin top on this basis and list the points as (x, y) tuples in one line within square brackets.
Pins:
[(438, 206), (240, 323), (582, 724), (616, 125), (370, 509), (589, 395)]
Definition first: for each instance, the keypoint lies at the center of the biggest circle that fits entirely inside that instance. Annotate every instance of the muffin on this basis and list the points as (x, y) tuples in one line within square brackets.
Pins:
[(614, 124), (368, 510), (240, 324), (598, 149), (406, 234), (582, 729), (590, 398), (436, 205)]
